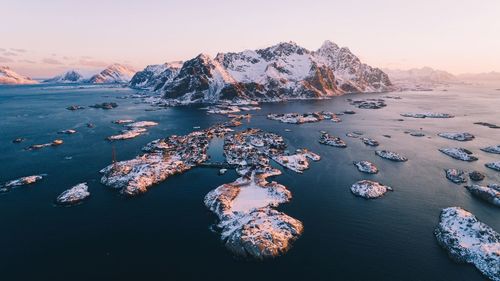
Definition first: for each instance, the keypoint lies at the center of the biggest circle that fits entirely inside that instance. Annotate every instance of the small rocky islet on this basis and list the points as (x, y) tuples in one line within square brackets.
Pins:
[(455, 175), (492, 149), (74, 195), (490, 193), (459, 153), (5, 187), (457, 136), (327, 139), (366, 167), (369, 189), (390, 155)]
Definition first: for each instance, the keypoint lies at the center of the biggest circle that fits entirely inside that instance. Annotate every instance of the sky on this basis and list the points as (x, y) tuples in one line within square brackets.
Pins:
[(44, 38)]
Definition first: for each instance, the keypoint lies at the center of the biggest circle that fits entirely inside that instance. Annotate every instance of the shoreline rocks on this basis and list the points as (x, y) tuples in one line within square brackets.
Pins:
[(369, 189), (468, 240), (393, 156), (459, 153), (74, 195), (457, 136)]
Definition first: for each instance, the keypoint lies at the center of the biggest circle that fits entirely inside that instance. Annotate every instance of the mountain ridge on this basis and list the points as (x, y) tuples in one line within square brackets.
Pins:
[(279, 72)]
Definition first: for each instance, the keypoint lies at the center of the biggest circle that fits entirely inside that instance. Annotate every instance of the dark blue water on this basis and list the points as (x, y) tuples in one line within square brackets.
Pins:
[(165, 234)]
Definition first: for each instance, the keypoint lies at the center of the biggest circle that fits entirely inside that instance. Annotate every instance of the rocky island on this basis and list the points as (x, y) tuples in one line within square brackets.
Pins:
[(470, 241)]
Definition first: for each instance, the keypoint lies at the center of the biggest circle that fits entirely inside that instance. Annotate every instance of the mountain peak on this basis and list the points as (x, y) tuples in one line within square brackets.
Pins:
[(114, 73), (328, 45)]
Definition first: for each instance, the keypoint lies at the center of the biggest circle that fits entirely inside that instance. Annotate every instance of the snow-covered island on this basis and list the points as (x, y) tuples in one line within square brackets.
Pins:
[(390, 155), (493, 165), (20, 182), (492, 149), (459, 153), (369, 189), (455, 175), (163, 158), (457, 136), (248, 223), (470, 241), (327, 139), (427, 115), (490, 193), (366, 167), (74, 195)]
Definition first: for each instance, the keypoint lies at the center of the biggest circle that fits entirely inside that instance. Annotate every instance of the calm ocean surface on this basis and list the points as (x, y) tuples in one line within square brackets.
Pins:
[(165, 234)]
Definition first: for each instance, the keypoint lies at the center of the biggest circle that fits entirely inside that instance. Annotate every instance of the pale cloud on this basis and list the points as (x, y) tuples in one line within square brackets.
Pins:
[(51, 61), (86, 57), (18, 50), (9, 54), (4, 59), (27, 61), (93, 63), (2, 50)]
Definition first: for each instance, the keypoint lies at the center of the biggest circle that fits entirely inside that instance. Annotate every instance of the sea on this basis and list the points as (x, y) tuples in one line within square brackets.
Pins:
[(168, 234)]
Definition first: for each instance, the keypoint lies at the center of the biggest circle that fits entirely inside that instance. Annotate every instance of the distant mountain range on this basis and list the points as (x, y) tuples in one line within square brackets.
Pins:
[(420, 77), (280, 72), (8, 76), (69, 77), (115, 73)]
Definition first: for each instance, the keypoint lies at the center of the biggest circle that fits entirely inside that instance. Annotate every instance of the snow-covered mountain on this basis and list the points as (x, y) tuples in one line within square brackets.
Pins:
[(115, 73), (68, 77), (280, 72), (154, 76), (9, 76), (424, 77)]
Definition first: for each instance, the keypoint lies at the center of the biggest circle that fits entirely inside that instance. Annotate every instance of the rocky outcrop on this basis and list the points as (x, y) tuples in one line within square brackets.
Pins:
[(468, 240)]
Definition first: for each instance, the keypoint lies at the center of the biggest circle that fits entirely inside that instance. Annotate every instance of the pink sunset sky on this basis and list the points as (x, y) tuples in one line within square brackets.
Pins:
[(45, 38)]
